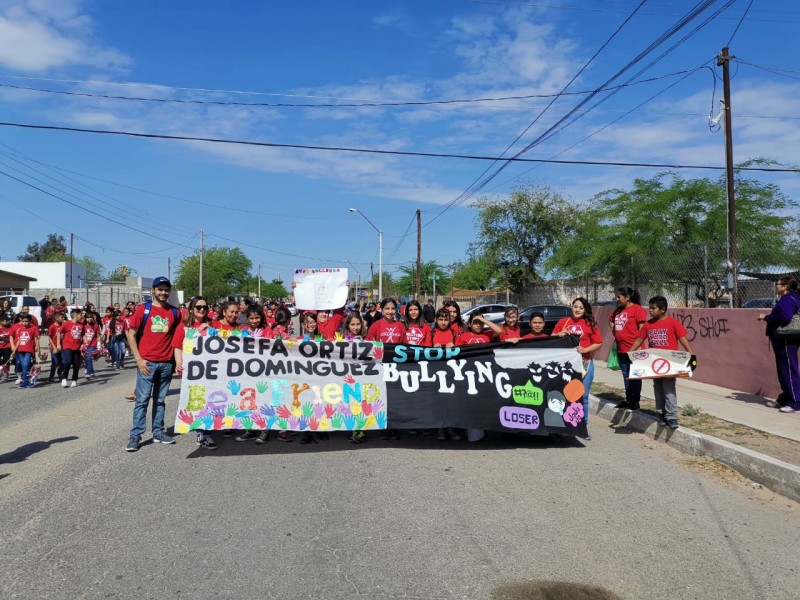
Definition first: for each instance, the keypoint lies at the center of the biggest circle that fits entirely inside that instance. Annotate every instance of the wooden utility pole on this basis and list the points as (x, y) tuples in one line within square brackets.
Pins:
[(419, 252), (202, 250), (723, 60)]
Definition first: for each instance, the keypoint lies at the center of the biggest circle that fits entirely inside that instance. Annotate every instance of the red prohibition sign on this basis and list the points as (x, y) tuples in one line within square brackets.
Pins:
[(661, 366)]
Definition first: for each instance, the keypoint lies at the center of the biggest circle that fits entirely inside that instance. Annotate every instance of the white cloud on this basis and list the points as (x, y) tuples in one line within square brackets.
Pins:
[(53, 34)]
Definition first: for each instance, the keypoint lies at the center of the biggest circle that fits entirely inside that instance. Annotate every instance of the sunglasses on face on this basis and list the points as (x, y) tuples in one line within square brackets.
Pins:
[(201, 307)]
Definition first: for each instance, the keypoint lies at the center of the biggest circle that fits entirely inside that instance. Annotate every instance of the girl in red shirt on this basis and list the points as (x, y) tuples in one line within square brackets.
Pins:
[(91, 340), (353, 327), (308, 327), (418, 332), (256, 324), (456, 320), (386, 329), (582, 323), (626, 321)]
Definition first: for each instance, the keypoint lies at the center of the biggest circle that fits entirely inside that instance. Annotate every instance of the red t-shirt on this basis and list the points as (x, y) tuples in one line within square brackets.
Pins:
[(468, 338), (25, 337), (580, 327), (663, 333), (417, 335), (508, 333), (71, 335), (328, 328), (386, 332), (626, 324), (533, 336), (442, 337), (260, 332), (5, 338), (91, 334), (155, 343), (224, 325), (52, 333)]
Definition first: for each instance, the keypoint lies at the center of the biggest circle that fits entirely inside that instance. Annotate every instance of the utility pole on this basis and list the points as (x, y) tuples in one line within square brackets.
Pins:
[(71, 264), (419, 252), (723, 60), (169, 268), (200, 291), (259, 282)]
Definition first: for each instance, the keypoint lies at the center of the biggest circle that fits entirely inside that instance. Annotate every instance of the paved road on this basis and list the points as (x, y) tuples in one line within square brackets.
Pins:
[(81, 518)]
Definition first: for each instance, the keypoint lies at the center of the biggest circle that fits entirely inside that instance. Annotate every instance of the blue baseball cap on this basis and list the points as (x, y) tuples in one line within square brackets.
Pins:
[(161, 281)]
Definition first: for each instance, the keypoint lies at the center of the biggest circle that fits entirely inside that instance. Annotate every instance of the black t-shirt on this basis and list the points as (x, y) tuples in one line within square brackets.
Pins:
[(428, 313)]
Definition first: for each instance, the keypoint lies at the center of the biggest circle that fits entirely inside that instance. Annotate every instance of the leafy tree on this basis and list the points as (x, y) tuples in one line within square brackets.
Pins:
[(518, 233), (226, 271), (120, 274), (477, 273), (94, 269), (407, 282), (274, 289), (666, 229), (54, 249)]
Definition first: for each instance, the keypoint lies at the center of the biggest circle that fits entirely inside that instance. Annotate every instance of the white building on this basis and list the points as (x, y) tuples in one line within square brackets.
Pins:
[(49, 274)]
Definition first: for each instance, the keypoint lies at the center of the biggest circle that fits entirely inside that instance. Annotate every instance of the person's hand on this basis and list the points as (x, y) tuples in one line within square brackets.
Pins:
[(294, 284), (179, 366), (450, 345), (693, 362), (141, 364), (761, 317)]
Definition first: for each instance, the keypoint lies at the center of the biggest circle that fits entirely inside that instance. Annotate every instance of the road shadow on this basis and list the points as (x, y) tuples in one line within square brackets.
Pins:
[(747, 398), (340, 441), (24, 452), (552, 590)]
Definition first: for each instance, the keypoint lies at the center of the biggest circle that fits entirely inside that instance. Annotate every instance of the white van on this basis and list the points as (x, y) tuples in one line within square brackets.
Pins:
[(19, 300)]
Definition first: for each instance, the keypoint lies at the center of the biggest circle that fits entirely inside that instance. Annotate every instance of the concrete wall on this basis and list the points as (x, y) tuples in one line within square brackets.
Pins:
[(732, 350), (101, 296)]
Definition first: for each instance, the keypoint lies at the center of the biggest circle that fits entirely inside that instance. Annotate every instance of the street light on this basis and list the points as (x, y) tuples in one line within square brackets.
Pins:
[(380, 251)]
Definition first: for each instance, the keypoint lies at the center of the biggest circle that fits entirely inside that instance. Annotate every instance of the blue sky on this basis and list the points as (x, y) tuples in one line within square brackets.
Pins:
[(288, 208)]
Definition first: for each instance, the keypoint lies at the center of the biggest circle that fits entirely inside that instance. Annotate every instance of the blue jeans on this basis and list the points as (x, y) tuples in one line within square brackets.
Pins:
[(70, 358), (24, 362), (55, 364), (117, 349), (633, 387), (155, 385), (89, 360), (587, 386)]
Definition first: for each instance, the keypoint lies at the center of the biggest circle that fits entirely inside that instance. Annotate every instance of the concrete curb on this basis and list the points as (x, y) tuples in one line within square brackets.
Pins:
[(778, 476)]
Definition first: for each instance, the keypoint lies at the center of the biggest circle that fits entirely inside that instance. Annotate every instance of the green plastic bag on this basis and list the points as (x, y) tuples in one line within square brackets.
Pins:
[(613, 358)]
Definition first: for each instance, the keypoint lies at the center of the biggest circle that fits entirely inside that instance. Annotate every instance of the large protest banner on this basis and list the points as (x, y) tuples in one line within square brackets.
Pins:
[(320, 289), (654, 364), (235, 382)]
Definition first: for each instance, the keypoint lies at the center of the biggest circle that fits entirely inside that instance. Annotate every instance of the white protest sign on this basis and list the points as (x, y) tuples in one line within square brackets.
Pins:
[(655, 363), (320, 289)]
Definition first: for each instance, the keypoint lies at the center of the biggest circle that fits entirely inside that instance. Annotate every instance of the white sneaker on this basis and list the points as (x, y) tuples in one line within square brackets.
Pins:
[(74, 384), (64, 383)]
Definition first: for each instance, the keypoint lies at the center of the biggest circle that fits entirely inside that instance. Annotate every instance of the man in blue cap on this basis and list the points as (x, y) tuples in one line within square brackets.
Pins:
[(152, 327)]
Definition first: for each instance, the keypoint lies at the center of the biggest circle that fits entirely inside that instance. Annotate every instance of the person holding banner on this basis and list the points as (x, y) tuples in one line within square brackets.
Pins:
[(625, 321), (229, 311), (386, 329), (785, 347), (664, 333), (582, 323), (418, 333), (196, 318), (328, 322)]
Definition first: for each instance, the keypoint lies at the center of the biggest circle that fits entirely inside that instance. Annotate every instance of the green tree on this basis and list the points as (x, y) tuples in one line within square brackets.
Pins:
[(274, 290), (518, 233), (120, 274), (226, 271), (94, 269), (666, 229), (406, 283), (476, 273), (54, 249)]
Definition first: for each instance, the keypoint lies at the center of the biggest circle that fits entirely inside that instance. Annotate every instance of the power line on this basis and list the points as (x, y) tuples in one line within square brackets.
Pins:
[(375, 151), (399, 103), (739, 24), (773, 70)]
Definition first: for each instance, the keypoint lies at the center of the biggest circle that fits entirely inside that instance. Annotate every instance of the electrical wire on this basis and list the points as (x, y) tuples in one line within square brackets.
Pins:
[(773, 70), (739, 24), (375, 151)]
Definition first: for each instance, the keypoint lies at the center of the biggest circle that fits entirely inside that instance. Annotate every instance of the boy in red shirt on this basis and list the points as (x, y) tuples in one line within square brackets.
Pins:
[(91, 339), (154, 361), (474, 334), (55, 355), (25, 346), (664, 333)]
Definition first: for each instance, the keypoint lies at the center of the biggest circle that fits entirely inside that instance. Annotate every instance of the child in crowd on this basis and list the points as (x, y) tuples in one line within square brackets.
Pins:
[(328, 322), (308, 327), (417, 333), (282, 328), (353, 327), (91, 339), (509, 330), (5, 343), (664, 333), (70, 338), (387, 329), (582, 323), (444, 334), (55, 354), (269, 314), (25, 347), (626, 321), (256, 324), (456, 320), (474, 333), (537, 327)]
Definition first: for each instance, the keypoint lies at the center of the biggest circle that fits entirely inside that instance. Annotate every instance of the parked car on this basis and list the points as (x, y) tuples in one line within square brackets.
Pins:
[(490, 312), (292, 309), (759, 303), (553, 313), (20, 300)]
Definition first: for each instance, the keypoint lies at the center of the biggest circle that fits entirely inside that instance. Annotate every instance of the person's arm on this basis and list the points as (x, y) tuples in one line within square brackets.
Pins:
[(141, 363), (36, 348), (685, 343), (178, 361), (637, 344), (496, 329)]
